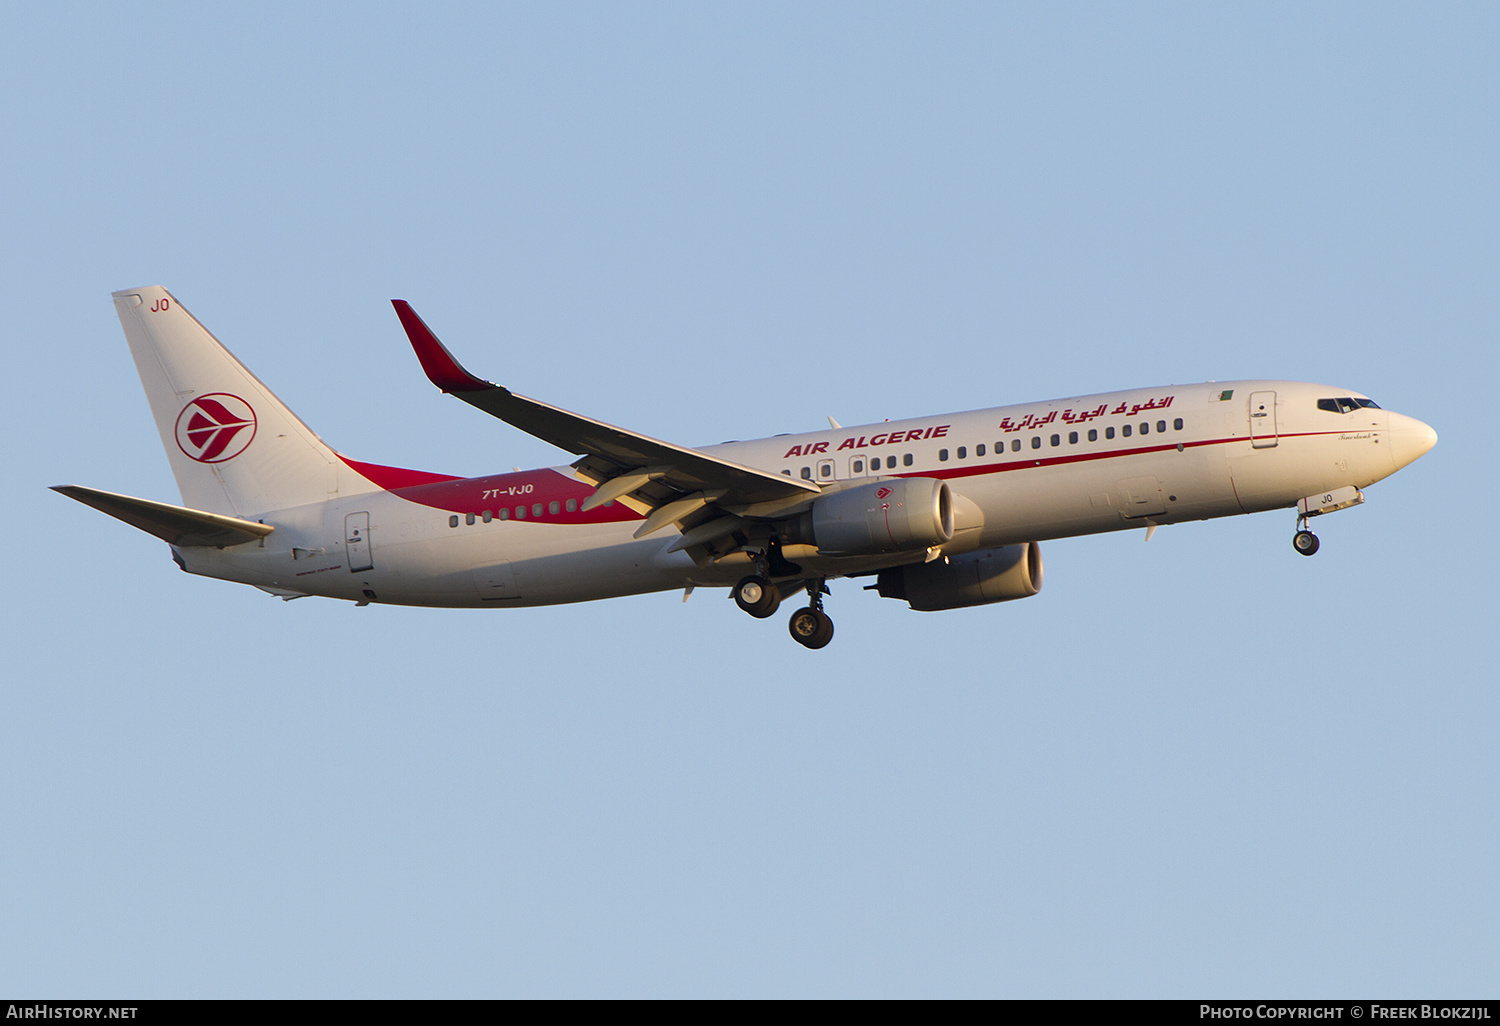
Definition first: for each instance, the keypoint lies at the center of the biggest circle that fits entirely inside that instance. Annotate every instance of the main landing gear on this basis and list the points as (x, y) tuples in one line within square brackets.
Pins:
[(809, 626), (757, 596)]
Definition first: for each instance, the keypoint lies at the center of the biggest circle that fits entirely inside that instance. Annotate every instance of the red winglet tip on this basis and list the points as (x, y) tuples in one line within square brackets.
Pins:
[(441, 368)]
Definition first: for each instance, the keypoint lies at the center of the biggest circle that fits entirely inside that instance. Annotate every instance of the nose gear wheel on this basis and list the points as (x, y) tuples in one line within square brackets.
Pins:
[(1304, 541)]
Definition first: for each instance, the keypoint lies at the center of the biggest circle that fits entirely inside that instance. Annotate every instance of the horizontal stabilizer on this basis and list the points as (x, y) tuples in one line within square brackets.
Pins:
[(175, 525)]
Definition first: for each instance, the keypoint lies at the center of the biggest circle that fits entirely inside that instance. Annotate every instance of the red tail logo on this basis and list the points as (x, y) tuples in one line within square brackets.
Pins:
[(215, 427)]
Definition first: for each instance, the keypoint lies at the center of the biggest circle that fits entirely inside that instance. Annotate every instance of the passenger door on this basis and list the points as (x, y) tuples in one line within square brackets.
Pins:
[(1262, 420)]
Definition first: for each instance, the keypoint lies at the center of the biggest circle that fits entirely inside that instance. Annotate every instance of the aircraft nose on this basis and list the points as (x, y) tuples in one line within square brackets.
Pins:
[(1410, 438)]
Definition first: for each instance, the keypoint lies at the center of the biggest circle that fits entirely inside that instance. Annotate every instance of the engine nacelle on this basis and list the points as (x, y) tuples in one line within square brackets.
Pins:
[(897, 515), (973, 579)]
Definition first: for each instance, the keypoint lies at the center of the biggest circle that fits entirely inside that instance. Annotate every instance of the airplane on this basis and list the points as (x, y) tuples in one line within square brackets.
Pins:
[(942, 512)]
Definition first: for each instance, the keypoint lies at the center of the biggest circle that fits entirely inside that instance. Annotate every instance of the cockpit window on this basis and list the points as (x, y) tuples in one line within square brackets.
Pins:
[(1346, 404)]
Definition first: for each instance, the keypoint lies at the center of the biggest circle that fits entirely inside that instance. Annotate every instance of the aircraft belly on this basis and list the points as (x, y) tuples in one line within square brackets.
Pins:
[(1110, 495), (555, 564), (1197, 484), (1276, 478)]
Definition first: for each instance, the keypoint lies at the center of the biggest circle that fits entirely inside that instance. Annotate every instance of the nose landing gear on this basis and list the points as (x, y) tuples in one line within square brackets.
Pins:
[(1304, 541), (1331, 501)]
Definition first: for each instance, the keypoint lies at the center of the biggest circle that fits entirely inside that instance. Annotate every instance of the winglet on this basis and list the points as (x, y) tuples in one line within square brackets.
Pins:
[(441, 368)]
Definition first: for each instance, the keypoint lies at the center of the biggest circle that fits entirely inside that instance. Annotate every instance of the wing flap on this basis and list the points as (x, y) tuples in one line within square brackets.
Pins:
[(175, 525)]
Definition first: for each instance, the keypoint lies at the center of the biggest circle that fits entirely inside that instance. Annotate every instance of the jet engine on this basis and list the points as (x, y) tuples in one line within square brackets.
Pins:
[(897, 515), (973, 579)]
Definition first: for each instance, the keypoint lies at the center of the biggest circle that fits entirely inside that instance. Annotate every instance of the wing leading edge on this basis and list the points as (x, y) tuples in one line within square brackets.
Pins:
[(676, 484)]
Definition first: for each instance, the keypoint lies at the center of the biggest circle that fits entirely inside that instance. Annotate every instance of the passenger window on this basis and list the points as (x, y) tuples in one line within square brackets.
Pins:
[(807, 473), (963, 451), (1015, 445), (942, 455), (890, 463), (1036, 441), (536, 509), (859, 466), (1177, 424), (1161, 427), (554, 507), (504, 512), (469, 519), (520, 512), (907, 459), (1109, 432), (1093, 434), (572, 505), (486, 516), (1145, 428), (453, 520), (825, 469), (1125, 431), (1072, 437), (979, 449), (1057, 439)]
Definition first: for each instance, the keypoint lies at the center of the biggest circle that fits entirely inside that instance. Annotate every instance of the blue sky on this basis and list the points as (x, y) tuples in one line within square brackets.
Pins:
[(1203, 766)]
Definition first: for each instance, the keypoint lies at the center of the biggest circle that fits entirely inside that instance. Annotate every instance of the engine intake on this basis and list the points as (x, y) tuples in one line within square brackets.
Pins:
[(973, 579), (884, 516)]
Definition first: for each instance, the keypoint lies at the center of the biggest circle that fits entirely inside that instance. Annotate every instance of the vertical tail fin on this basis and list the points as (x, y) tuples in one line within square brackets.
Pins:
[(234, 447)]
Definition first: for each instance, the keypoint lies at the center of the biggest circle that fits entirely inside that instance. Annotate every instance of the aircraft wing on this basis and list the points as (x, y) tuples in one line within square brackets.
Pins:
[(674, 482), (175, 525)]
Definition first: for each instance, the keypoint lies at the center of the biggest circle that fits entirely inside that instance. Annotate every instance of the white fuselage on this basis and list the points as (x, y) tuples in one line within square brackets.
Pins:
[(1022, 473)]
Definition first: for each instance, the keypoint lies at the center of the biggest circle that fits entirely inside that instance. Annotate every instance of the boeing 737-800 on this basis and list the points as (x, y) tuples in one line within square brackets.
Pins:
[(942, 512)]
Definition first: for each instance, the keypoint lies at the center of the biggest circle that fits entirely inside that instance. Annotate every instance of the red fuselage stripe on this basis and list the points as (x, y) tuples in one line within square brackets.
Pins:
[(545, 486)]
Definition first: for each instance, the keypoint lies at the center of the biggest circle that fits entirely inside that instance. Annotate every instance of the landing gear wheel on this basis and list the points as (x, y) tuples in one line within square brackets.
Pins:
[(757, 596), (811, 628), (1305, 542)]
